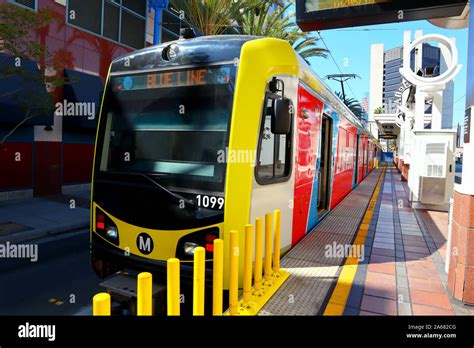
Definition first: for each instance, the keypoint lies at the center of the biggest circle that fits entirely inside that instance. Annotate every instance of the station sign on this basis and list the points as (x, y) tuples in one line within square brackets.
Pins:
[(331, 14), (387, 136)]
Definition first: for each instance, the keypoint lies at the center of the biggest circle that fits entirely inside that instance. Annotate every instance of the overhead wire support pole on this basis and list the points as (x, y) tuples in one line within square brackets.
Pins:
[(341, 78), (158, 6)]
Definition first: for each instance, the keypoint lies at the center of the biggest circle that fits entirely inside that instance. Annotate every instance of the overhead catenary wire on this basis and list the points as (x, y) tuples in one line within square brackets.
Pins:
[(335, 62)]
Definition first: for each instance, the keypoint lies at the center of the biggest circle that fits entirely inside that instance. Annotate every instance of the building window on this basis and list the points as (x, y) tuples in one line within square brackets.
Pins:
[(86, 14), (171, 26), (274, 150), (31, 4), (391, 88), (392, 63), (111, 21), (392, 70), (391, 82), (138, 7), (133, 30), (123, 21), (392, 75), (389, 94)]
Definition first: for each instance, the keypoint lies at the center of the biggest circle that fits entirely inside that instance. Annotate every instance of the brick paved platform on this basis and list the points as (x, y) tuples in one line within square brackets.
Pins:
[(403, 269), (405, 273), (312, 273)]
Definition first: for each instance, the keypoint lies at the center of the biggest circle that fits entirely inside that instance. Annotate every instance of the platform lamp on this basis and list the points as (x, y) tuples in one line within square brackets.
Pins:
[(158, 6)]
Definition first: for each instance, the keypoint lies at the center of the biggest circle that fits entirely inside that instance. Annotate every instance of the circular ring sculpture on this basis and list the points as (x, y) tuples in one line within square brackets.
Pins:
[(448, 75)]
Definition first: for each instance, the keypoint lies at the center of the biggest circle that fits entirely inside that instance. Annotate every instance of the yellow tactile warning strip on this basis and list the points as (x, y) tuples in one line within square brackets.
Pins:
[(268, 290), (338, 299)]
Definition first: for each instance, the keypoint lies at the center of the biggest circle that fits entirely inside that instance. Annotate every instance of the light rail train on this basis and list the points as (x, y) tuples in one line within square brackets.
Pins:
[(200, 136)]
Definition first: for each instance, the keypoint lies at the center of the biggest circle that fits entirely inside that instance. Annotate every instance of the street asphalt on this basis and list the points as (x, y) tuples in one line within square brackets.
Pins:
[(61, 282)]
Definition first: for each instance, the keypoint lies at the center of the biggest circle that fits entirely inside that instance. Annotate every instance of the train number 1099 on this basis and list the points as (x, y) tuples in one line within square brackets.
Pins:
[(211, 202)]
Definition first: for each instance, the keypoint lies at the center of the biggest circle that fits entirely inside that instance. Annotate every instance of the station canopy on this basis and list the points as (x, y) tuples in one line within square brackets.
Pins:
[(331, 14)]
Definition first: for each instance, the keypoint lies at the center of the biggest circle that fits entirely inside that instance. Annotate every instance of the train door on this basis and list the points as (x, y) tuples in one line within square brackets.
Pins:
[(308, 124), (371, 156), (362, 158), (366, 171), (324, 173), (356, 162), (364, 154)]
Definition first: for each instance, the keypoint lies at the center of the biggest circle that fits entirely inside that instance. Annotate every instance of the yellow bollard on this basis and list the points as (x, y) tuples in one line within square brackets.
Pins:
[(276, 243), (101, 304), (268, 249), (173, 291), (234, 273), (218, 277), (199, 280), (144, 295), (248, 252), (258, 256)]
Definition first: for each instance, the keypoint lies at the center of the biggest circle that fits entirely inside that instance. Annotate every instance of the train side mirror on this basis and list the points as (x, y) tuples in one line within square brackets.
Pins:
[(281, 116)]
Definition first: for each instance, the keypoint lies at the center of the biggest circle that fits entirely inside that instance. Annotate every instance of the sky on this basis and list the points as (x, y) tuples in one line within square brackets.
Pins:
[(350, 48)]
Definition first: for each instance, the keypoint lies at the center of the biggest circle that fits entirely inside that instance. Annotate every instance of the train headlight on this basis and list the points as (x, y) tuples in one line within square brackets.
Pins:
[(203, 238), (111, 232), (170, 52), (190, 247), (105, 227)]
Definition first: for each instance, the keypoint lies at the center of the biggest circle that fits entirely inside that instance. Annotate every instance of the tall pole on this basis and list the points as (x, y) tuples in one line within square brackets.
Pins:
[(157, 28), (341, 78), (343, 91), (158, 6)]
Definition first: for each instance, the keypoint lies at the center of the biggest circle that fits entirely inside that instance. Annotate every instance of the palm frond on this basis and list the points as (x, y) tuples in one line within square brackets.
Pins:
[(269, 18), (353, 105)]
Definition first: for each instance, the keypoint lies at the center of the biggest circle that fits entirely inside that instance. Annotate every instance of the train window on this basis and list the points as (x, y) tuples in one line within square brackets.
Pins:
[(274, 157)]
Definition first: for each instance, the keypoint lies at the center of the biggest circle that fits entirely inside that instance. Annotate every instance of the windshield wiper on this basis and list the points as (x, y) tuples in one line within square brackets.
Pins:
[(176, 196)]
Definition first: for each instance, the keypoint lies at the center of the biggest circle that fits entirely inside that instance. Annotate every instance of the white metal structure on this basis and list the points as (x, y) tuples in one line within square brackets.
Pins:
[(431, 178)]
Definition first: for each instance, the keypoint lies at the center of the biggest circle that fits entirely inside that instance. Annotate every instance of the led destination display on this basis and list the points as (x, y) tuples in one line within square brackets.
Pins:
[(180, 78)]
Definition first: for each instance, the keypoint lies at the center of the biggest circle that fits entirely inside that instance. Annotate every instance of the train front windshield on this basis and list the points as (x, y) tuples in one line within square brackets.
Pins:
[(169, 125)]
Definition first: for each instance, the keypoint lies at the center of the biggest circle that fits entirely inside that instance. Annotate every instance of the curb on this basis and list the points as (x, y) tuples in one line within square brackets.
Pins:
[(43, 232)]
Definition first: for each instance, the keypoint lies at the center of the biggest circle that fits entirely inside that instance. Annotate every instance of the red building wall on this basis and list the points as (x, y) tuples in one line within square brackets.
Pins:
[(76, 49), (16, 166), (77, 163), (56, 162), (47, 168)]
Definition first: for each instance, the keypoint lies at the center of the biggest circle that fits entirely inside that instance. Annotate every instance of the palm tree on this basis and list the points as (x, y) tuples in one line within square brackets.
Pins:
[(352, 104), (249, 17), (266, 19), (209, 17), (379, 110)]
